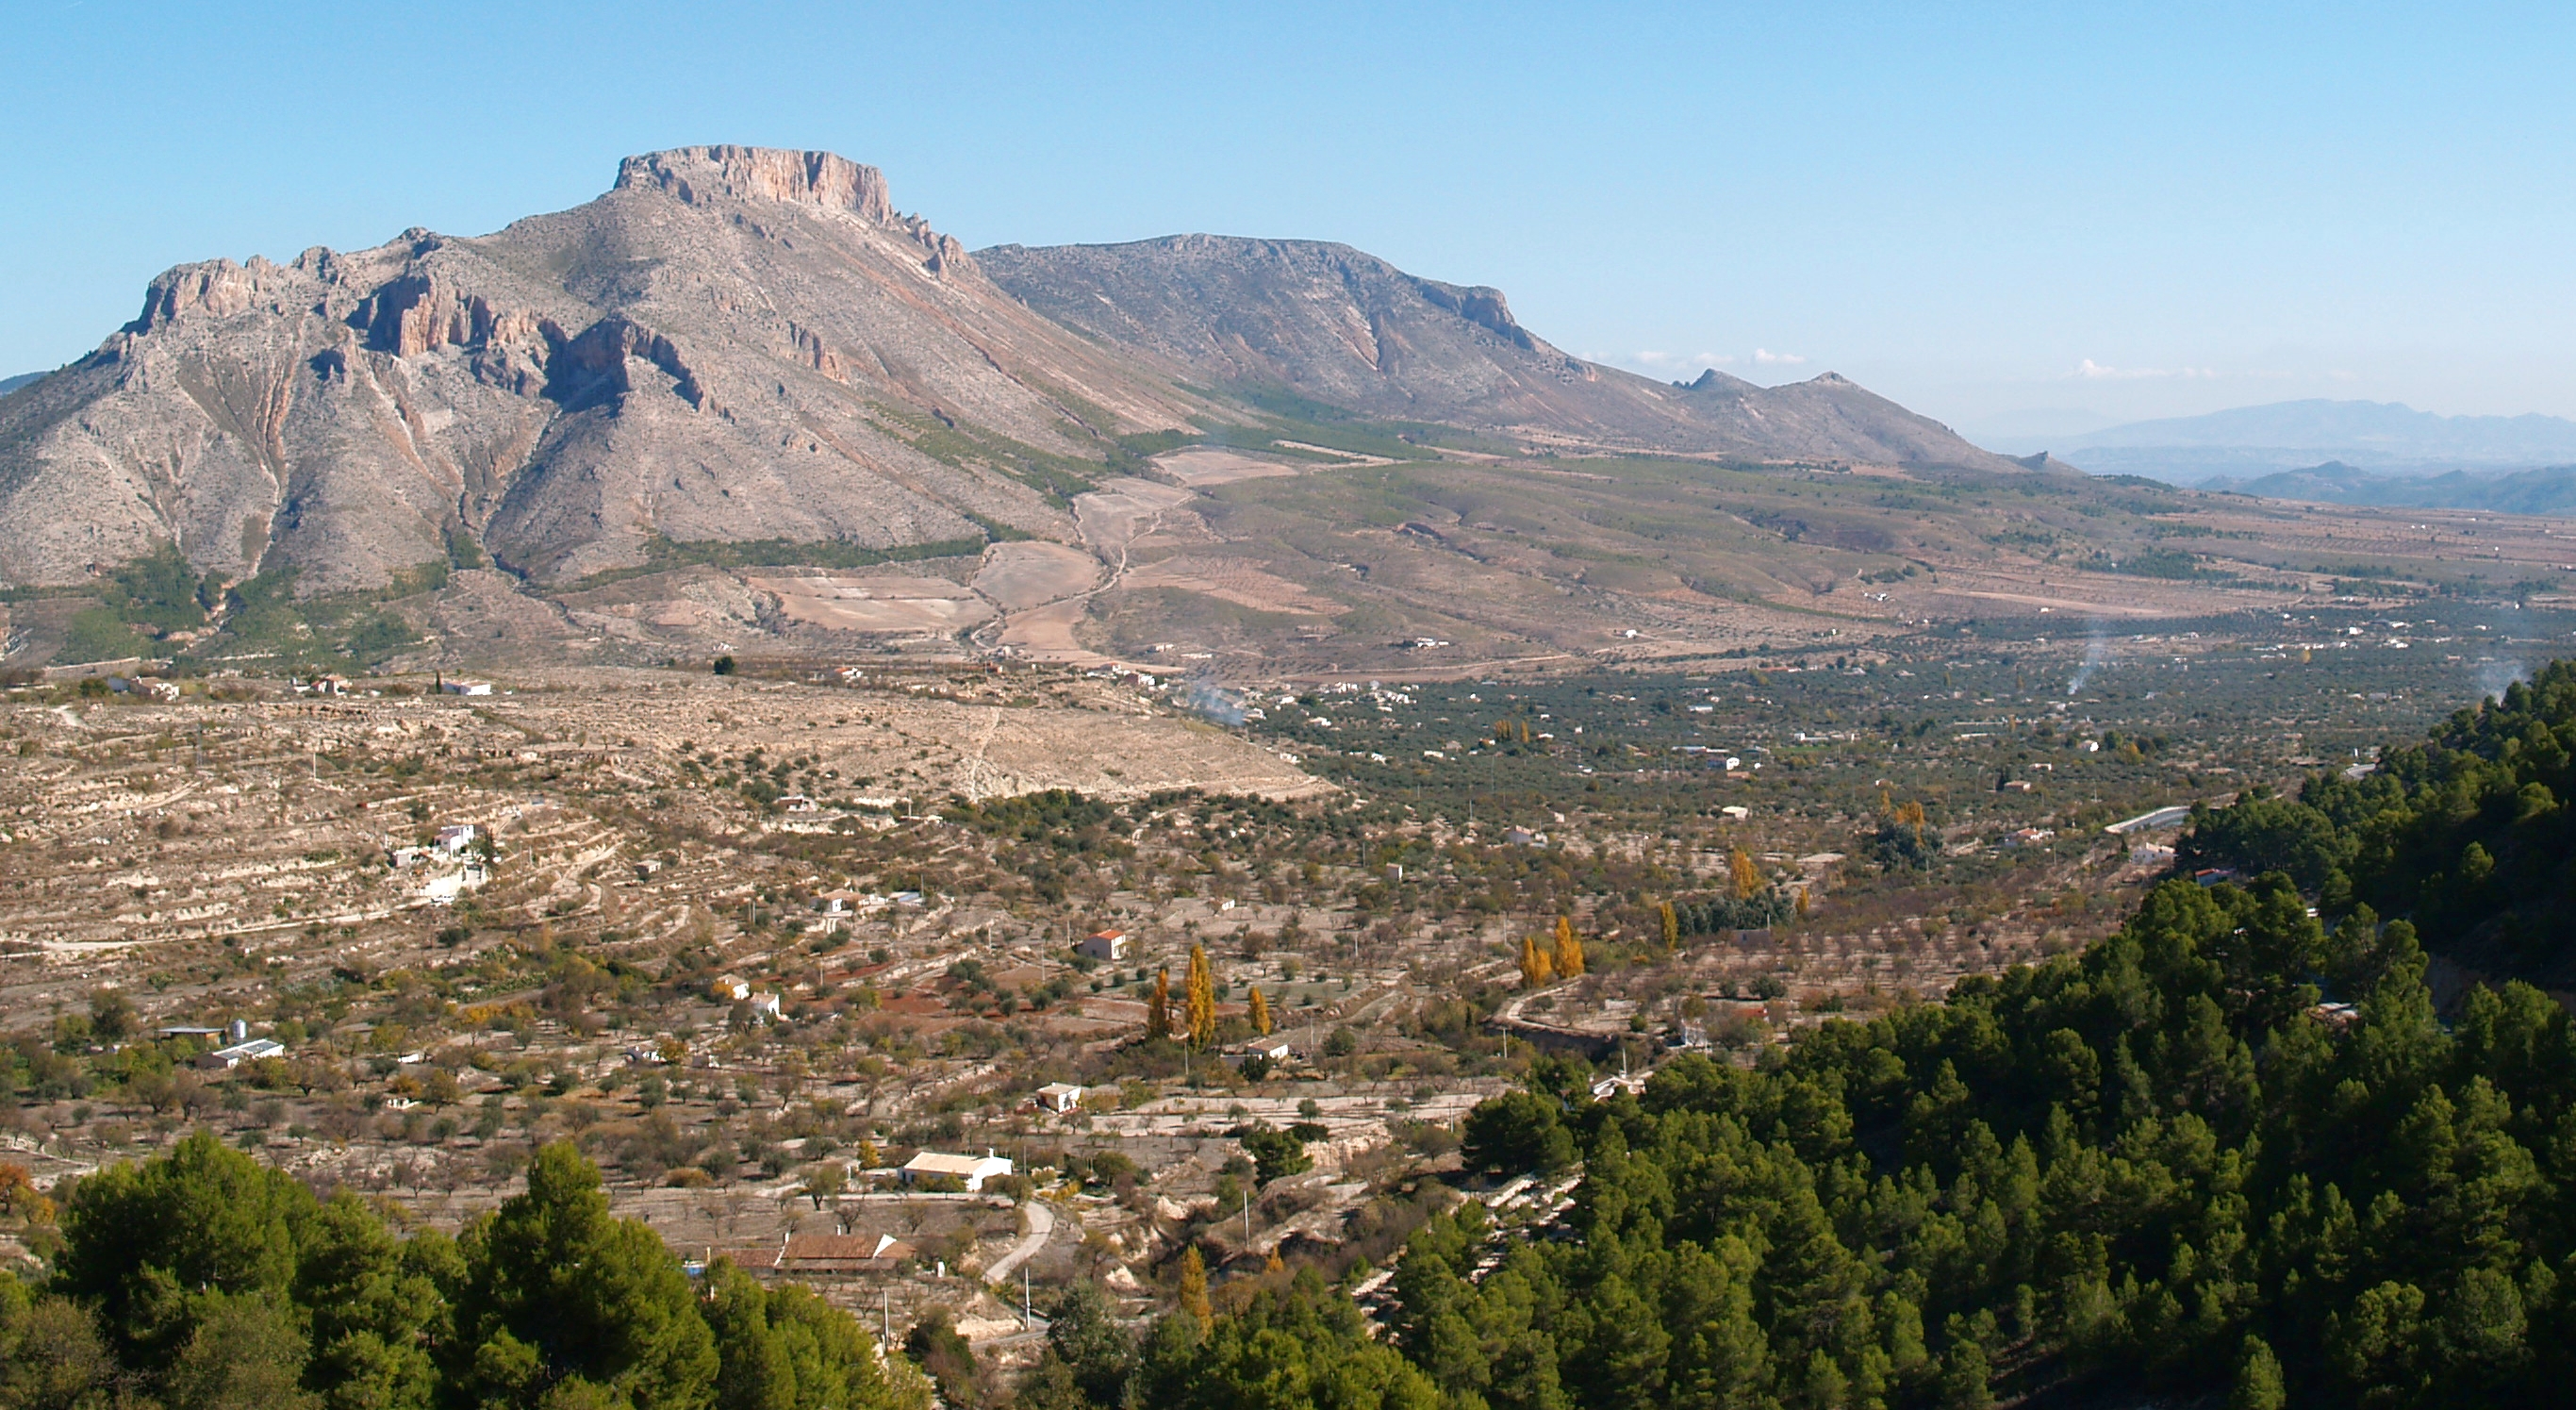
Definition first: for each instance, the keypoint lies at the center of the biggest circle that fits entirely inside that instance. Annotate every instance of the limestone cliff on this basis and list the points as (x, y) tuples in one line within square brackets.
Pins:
[(732, 344), (747, 344)]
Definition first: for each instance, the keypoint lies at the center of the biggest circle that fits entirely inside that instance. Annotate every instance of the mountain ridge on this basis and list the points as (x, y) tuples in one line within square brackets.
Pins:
[(664, 361), (1339, 325), (743, 345), (2548, 489), (2252, 441)]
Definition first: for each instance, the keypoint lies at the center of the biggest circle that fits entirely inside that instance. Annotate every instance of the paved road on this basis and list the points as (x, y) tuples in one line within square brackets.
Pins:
[(1041, 1217)]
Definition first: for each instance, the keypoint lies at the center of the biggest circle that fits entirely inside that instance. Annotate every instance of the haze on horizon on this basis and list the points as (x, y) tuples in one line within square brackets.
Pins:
[(2011, 218)]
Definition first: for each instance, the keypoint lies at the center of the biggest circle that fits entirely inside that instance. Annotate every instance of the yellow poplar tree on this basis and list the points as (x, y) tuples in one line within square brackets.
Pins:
[(1202, 998), (1259, 1011), (1910, 814), (1194, 1294), (1802, 902), (1747, 876), (1158, 1011), (1536, 967), (1569, 949), (1670, 924)]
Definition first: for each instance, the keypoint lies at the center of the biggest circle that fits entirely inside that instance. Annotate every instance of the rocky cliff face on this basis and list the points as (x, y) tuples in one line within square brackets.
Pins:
[(1343, 327), (746, 344), (732, 344)]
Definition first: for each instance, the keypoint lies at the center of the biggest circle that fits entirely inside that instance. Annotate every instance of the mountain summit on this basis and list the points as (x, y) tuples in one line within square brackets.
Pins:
[(750, 345), (732, 344)]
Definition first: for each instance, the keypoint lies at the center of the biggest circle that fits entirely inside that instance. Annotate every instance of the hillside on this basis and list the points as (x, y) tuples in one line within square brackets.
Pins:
[(1339, 326), (2461, 833), (732, 344), (739, 404), (2547, 490)]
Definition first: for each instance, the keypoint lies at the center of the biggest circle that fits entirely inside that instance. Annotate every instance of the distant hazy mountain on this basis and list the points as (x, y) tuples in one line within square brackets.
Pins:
[(2249, 442), (2548, 490), (11, 384)]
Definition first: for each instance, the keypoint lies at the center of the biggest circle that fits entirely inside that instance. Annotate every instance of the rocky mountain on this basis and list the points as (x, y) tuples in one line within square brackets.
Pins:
[(1335, 325), (747, 353), (732, 344)]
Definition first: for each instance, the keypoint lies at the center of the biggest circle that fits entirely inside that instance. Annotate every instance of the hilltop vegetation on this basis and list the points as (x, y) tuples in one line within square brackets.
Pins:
[(203, 1279), (2465, 831)]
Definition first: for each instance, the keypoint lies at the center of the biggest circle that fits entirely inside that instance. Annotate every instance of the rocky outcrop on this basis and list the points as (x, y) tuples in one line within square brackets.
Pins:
[(740, 343), (700, 175), (734, 343)]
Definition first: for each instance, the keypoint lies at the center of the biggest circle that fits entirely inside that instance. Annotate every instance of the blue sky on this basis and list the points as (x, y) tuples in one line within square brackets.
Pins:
[(2001, 215)]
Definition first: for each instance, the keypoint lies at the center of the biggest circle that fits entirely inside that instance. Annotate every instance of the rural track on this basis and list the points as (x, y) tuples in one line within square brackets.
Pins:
[(1041, 1226)]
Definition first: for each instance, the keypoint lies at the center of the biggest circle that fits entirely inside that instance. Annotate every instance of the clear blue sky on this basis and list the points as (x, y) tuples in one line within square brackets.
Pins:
[(1980, 210)]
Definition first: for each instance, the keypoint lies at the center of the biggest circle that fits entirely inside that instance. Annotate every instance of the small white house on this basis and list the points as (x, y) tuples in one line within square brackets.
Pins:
[(465, 687), (729, 988), (1110, 945), (1059, 1096), (1271, 1046), (455, 838), (249, 1050), (768, 1005), (1611, 1086), (970, 1170)]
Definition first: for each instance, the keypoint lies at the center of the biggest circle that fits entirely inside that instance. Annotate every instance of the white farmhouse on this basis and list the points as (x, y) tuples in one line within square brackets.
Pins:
[(970, 1170)]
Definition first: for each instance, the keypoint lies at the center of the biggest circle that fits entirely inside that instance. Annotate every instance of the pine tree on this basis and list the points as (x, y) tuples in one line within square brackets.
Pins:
[(1964, 1379), (1194, 1292), (1202, 998), (2258, 1379), (1258, 1009), (1568, 958), (553, 1288), (1158, 1010), (1536, 967), (1671, 926)]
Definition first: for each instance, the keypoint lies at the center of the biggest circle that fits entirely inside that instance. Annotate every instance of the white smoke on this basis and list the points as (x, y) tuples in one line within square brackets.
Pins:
[(2504, 669), (2494, 676), (2097, 654), (1216, 702)]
